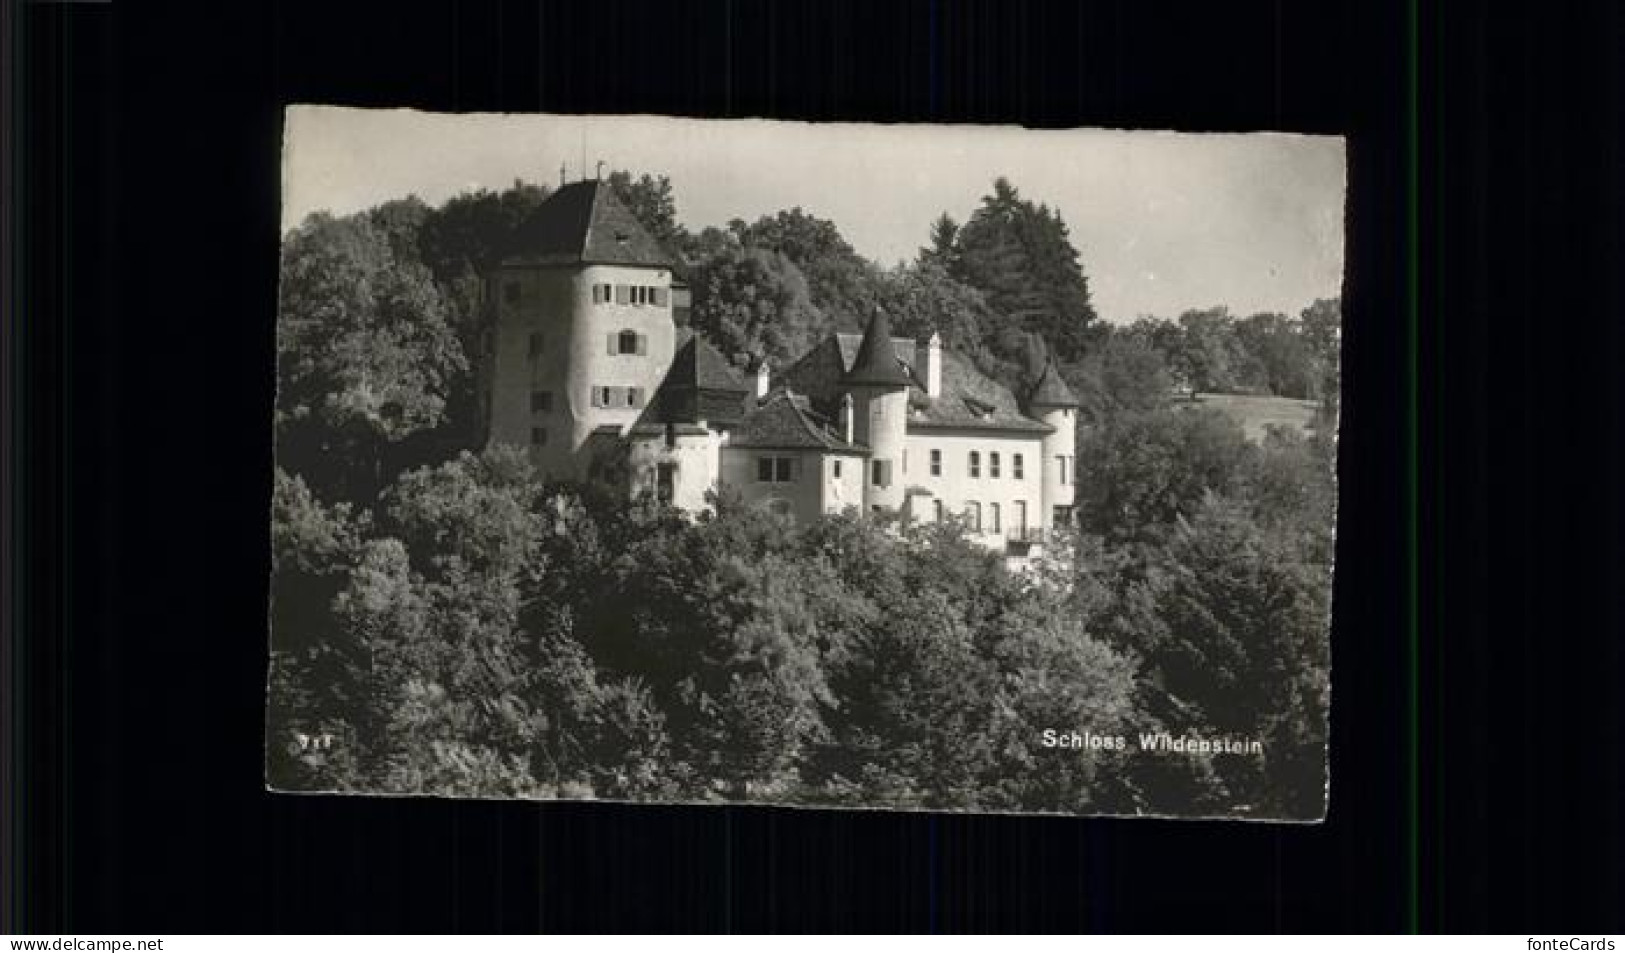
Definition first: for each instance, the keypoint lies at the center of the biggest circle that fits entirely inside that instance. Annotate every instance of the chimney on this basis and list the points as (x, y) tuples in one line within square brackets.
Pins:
[(846, 417), (931, 365), (764, 379)]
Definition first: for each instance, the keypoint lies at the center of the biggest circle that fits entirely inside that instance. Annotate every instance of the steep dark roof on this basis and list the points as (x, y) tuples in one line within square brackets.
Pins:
[(584, 223), (1051, 390), (877, 362), (699, 384), (785, 421), (969, 399), (699, 365)]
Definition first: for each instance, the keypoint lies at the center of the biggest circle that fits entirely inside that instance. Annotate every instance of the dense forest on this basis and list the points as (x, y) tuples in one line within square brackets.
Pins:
[(444, 622)]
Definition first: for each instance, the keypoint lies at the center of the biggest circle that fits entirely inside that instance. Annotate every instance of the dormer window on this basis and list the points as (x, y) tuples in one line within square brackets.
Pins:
[(979, 408)]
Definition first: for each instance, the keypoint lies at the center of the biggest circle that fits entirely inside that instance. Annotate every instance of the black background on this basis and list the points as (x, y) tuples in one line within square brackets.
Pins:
[(147, 190)]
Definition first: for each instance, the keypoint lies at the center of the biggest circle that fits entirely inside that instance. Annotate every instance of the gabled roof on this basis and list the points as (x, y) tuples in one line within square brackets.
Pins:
[(583, 223), (1051, 390), (786, 421), (877, 362)]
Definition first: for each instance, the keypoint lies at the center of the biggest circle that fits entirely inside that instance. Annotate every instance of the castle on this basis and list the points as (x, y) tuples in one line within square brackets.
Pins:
[(585, 365)]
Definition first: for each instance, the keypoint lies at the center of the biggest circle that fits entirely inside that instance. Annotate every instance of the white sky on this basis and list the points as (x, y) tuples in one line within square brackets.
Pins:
[(1162, 221)]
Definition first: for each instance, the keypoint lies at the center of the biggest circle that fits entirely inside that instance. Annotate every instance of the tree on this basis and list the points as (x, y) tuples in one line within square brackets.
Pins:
[(943, 251), (840, 282), (752, 304), (1140, 472), (1020, 256), (651, 201), (1203, 352), (1246, 654), (1285, 365), (366, 355), (1124, 372)]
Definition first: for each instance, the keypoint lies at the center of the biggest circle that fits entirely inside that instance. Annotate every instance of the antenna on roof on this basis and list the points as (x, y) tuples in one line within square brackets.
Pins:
[(598, 170)]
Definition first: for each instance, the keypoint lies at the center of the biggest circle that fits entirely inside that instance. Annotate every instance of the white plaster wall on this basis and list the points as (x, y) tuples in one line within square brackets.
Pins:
[(806, 493), (557, 302), (955, 486)]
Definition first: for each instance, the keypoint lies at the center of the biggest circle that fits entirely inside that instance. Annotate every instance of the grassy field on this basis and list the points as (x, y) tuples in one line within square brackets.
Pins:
[(1255, 413)]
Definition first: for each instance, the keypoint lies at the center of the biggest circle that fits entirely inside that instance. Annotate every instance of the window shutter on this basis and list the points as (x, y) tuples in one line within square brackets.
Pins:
[(643, 344), (637, 397), (612, 342), (621, 294), (662, 296)]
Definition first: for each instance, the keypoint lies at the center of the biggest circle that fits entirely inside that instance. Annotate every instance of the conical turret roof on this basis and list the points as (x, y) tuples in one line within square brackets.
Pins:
[(1051, 390), (876, 363)]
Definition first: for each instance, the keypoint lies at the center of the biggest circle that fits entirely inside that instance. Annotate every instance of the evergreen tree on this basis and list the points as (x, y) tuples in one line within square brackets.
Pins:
[(1020, 256)]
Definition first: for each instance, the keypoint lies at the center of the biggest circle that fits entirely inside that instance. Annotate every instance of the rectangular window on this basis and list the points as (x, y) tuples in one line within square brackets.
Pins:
[(541, 401), (880, 472), (936, 463), (973, 516), (1016, 469), (538, 436), (535, 343), (607, 397), (936, 510), (993, 517), (665, 481), (1065, 469), (512, 292), (837, 464), (1063, 517), (993, 466), (1020, 516), (975, 465), (775, 469)]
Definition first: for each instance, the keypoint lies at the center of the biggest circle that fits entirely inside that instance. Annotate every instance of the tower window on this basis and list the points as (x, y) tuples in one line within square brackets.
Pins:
[(665, 481), (837, 468), (880, 472), (538, 436), (628, 342), (1016, 468), (993, 470), (511, 292), (541, 401), (993, 517), (936, 510), (936, 463), (975, 465), (1066, 469)]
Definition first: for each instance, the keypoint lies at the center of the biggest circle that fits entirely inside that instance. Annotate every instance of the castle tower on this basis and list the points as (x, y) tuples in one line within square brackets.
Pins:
[(1052, 402), (878, 386), (581, 328)]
